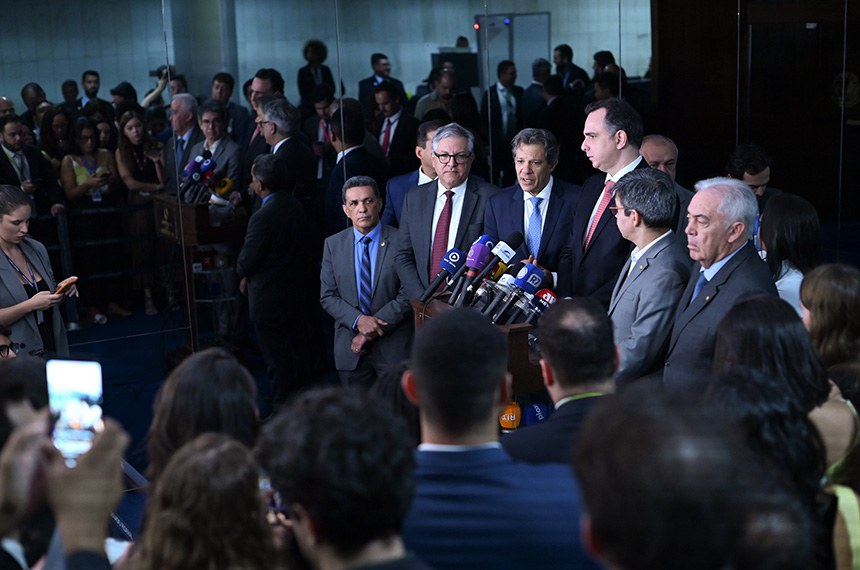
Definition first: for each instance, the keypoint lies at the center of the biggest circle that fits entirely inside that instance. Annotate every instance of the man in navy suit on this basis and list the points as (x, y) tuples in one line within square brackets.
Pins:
[(266, 82), (443, 214), (277, 273), (539, 206), (595, 251), (381, 74), (372, 330), (721, 217), (474, 506), (501, 119), (398, 186), (578, 360), (395, 129), (353, 158), (646, 293)]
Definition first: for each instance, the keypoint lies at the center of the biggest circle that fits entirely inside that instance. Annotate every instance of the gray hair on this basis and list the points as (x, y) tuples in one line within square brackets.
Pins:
[(537, 136), (541, 66), (737, 203), (357, 181), (283, 115), (187, 102), (454, 130), (651, 193)]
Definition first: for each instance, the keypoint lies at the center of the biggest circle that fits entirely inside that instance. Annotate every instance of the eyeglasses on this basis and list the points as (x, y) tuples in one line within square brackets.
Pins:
[(458, 158), (261, 123), (615, 209), (5, 348)]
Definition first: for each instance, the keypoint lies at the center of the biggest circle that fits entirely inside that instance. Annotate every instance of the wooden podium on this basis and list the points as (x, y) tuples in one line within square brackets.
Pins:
[(187, 225), (522, 363)]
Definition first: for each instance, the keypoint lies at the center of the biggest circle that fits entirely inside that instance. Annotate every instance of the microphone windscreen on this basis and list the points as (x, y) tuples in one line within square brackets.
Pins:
[(515, 239), (508, 248), (544, 298), (529, 278), (486, 240), (452, 261), (534, 413), (500, 270), (478, 256)]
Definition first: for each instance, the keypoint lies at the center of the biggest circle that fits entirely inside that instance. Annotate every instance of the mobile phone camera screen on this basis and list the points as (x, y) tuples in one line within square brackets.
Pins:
[(75, 394)]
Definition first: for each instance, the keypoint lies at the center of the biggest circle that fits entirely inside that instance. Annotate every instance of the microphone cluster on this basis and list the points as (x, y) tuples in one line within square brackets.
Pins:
[(484, 281), (201, 183)]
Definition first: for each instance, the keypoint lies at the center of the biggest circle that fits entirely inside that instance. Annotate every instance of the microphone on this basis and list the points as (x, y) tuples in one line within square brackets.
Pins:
[(503, 288), (450, 264), (194, 164), (528, 280), (504, 251), (475, 262), (486, 240), (540, 303)]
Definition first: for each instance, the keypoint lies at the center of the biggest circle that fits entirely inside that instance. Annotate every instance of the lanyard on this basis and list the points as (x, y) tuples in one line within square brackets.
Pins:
[(32, 280)]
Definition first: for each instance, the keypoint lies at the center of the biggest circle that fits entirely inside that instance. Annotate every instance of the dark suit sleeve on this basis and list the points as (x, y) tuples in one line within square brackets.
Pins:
[(405, 257), (252, 251), (491, 225), (388, 216)]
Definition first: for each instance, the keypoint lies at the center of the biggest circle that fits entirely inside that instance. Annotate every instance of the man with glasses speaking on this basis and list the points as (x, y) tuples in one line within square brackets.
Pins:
[(445, 213)]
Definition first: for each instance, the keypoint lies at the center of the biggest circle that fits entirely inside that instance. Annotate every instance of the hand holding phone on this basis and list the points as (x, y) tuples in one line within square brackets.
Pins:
[(74, 395), (65, 284)]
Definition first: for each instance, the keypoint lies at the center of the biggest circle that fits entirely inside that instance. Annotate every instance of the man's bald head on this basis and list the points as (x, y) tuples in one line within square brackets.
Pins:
[(660, 152)]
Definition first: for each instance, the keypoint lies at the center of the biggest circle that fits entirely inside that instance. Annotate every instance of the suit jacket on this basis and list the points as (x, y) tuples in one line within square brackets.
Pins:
[(282, 277), (564, 119), (358, 161), (401, 148), (500, 142), (551, 441), (395, 193), (301, 163), (26, 330), (226, 157), (248, 150), (416, 231), (306, 84), (170, 165), (691, 345), (237, 115), (684, 197), (47, 192), (504, 215), (592, 273), (533, 103), (339, 298), (104, 107), (481, 509), (643, 307)]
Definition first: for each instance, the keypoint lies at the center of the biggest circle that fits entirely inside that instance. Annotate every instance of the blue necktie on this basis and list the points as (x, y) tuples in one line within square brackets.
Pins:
[(366, 285), (700, 284), (180, 149), (533, 239)]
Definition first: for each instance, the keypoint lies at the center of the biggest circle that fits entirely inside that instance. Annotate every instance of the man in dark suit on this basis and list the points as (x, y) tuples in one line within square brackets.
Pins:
[(578, 360), (279, 126), (466, 487), (595, 251), (539, 206), (318, 131), (91, 81), (501, 119), (24, 166), (266, 82), (721, 219), (186, 134), (649, 286), (381, 74), (445, 213), (751, 164), (395, 192), (222, 90), (533, 100), (564, 120), (572, 76), (278, 275), (395, 130), (361, 290), (661, 153), (347, 138)]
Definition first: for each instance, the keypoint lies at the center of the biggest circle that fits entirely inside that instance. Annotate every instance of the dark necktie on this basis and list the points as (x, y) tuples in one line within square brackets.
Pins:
[(440, 236), (700, 284), (366, 288), (386, 138)]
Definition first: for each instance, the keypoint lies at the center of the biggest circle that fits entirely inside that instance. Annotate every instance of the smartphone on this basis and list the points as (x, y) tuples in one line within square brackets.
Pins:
[(65, 283), (75, 397)]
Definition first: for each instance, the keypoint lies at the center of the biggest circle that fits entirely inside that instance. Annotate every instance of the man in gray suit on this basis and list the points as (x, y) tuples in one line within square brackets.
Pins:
[(360, 289), (720, 222), (649, 286), (445, 213), (212, 120), (186, 134)]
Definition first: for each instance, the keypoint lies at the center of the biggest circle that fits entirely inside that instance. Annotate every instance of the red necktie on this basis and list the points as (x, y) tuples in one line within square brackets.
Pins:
[(386, 139), (440, 236), (324, 129), (254, 135), (604, 203)]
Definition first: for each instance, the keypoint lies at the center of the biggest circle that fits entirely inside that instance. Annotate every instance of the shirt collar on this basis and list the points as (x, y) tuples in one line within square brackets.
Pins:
[(715, 267), (450, 448), (345, 152), (637, 253), (625, 170), (372, 234), (545, 193), (423, 178), (458, 190), (393, 118)]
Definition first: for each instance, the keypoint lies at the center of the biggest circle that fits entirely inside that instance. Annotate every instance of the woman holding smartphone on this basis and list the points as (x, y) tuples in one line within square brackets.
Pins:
[(28, 304)]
